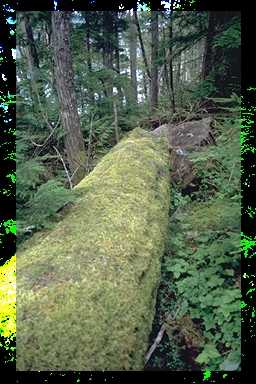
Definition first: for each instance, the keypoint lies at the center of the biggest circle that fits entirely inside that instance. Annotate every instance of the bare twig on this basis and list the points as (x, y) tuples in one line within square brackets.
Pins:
[(231, 174), (156, 343), (160, 334), (89, 144), (65, 168), (52, 131), (75, 171), (116, 121)]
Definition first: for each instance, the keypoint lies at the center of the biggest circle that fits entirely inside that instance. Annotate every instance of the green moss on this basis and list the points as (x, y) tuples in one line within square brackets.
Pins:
[(87, 289), (216, 214)]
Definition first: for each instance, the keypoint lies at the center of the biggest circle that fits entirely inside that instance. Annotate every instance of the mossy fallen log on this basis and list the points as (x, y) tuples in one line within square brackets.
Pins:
[(86, 291)]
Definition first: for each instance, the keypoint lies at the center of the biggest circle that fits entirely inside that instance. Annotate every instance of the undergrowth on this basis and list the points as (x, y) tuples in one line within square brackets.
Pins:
[(200, 284)]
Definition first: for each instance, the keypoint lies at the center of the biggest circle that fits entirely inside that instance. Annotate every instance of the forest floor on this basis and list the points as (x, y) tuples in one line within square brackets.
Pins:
[(197, 321)]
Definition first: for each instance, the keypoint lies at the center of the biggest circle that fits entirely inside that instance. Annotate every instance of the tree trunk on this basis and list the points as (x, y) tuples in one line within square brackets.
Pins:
[(89, 58), (133, 57), (208, 52), (154, 58), (145, 86), (37, 93), (178, 71), (116, 121), (99, 268), (171, 64), (142, 45), (117, 59), (166, 80), (108, 29), (74, 143)]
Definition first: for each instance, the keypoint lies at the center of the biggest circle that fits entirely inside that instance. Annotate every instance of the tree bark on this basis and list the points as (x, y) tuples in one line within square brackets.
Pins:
[(145, 85), (133, 57), (73, 141), (154, 58), (142, 45), (117, 59), (89, 57), (116, 121), (178, 71), (171, 64), (37, 93), (208, 52), (166, 79), (108, 49)]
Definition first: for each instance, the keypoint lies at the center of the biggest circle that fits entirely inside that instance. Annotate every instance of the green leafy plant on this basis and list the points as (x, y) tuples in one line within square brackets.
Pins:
[(201, 264)]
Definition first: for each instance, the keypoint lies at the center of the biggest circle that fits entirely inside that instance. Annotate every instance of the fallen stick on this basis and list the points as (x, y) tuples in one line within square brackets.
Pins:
[(156, 343), (161, 333)]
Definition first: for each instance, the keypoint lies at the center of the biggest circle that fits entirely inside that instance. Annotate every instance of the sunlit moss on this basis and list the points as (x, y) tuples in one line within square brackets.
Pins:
[(7, 299), (87, 288)]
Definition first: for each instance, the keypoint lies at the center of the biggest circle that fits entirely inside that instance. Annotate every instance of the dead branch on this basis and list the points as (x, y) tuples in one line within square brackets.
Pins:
[(47, 139), (160, 334), (65, 168), (89, 144), (116, 121)]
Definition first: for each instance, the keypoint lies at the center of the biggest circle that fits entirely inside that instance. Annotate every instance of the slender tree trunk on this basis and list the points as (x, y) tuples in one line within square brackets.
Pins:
[(178, 81), (133, 57), (108, 29), (178, 71), (166, 81), (154, 58), (89, 57), (116, 121), (117, 59), (142, 45), (171, 64), (208, 51), (37, 93), (89, 148), (74, 143), (145, 86)]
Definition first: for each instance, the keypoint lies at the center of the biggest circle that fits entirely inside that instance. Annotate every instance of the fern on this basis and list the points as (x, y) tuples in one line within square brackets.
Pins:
[(40, 211)]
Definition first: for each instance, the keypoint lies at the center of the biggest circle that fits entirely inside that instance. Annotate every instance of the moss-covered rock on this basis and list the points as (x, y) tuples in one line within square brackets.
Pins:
[(86, 291)]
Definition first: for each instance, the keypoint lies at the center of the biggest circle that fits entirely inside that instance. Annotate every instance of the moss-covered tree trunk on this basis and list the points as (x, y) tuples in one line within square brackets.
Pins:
[(87, 288)]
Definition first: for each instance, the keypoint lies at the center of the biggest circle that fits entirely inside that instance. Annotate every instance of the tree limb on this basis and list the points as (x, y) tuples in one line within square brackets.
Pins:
[(65, 168)]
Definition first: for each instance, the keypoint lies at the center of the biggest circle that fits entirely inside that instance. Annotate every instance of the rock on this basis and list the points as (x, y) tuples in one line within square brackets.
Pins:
[(182, 137)]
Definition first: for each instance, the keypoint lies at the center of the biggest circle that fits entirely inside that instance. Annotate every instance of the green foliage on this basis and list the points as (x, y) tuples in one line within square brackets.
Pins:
[(40, 176), (29, 175), (41, 208), (202, 261), (38, 198), (230, 37), (219, 169), (205, 88), (48, 199)]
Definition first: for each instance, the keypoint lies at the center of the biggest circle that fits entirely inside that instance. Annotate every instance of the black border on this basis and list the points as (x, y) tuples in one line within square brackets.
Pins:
[(248, 263), (7, 148)]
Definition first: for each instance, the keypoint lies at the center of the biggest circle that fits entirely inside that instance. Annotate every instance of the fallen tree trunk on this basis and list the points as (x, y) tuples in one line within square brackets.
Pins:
[(87, 289)]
